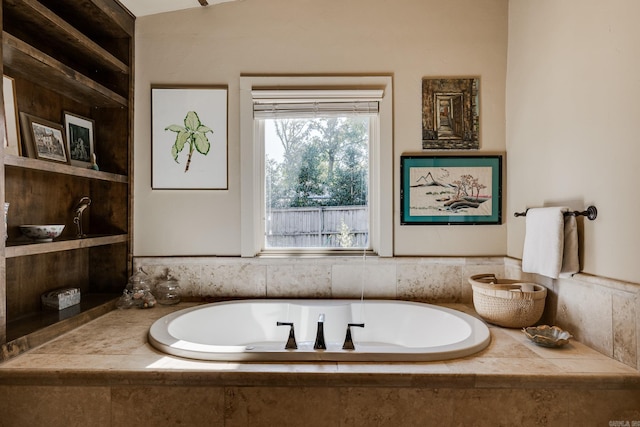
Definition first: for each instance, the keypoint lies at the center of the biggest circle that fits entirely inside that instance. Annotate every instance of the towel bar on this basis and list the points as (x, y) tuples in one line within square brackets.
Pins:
[(590, 213)]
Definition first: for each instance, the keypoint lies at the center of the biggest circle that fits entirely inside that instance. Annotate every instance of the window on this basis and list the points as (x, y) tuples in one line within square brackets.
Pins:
[(316, 168), (313, 181)]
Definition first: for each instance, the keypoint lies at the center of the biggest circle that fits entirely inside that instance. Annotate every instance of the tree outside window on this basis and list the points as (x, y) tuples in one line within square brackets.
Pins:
[(316, 177)]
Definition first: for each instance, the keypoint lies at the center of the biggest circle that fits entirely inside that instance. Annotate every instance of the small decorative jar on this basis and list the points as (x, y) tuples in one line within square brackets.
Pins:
[(168, 291), (139, 285)]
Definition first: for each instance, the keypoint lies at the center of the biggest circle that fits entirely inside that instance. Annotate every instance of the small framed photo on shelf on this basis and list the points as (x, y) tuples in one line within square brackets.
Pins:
[(43, 139), (449, 190), (79, 139), (12, 136)]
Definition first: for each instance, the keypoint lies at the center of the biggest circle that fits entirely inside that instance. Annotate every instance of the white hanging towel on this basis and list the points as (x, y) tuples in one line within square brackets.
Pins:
[(550, 243)]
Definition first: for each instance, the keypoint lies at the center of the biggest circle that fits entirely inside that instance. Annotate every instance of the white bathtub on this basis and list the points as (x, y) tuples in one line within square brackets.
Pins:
[(247, 330)]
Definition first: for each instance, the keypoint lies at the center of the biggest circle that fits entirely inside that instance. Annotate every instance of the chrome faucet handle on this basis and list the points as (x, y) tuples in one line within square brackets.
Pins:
[(348, 340), (320, 344), (291, 341)]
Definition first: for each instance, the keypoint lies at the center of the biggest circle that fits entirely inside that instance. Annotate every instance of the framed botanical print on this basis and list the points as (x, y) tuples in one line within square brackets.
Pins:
[(189, 138)]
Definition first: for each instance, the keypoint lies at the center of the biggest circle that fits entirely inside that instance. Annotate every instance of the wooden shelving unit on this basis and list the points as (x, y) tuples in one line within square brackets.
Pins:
[(67, 56)]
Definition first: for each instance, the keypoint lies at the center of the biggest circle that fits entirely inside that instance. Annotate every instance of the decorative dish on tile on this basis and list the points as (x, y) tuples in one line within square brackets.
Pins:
[(547, 336)]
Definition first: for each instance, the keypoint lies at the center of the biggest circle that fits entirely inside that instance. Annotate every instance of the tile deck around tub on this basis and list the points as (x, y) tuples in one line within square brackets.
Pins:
[(104, 373), (113, 349)]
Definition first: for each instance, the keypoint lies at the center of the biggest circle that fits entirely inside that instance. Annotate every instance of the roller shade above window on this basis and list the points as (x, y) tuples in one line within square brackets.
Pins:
[(272, 104)]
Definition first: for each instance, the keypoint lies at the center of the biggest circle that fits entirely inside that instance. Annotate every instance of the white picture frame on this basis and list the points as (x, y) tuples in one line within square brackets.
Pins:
[(80, 139), (174, 165), (12, 135)]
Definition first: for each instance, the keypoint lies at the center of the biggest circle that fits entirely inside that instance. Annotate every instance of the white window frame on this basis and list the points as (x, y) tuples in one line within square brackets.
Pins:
[(380, 163)]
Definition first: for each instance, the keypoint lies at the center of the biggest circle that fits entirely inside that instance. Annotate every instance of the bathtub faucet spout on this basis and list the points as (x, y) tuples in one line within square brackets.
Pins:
[(320, 344), (291, 341)]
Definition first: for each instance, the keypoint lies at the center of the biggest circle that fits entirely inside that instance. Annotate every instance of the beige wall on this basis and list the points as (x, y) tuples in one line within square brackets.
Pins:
[(573, 92), (408, 39), (571, 107)]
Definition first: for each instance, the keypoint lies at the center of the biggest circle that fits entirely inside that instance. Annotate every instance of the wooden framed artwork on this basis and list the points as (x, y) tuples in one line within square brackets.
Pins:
[(189, 138), (450, 190), (12, 135), (450, 113), (80, 133), (44, 139)]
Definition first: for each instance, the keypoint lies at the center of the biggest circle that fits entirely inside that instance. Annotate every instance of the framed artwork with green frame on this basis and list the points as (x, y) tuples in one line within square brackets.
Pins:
[(449, 190)]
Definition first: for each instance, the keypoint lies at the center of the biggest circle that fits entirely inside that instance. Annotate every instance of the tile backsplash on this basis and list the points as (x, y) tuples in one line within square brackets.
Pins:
[(599, 312), (423, 279)]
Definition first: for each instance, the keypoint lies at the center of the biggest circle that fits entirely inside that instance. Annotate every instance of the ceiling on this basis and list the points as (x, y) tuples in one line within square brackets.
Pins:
[(150, 7)]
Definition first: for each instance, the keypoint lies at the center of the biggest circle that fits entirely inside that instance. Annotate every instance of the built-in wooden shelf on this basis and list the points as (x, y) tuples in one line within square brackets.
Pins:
[(32, 13), (25, 248), (100, 18), (36, 328), (67, 56), (30, 63), (43, 165)]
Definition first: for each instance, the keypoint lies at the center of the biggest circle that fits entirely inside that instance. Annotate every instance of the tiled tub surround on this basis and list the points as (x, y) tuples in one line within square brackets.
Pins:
[(602, 313), (424, 279), (106, 374)]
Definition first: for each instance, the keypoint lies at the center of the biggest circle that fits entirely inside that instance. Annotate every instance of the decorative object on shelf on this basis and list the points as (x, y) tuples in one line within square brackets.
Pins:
[(6, 215), (43, 139), (77, 218), (189, 137), (79, 138), (12, 136), (547, 336), (41, 233), (508, 303), (94, 164), (450, 113), (61, 298), (445, 190)]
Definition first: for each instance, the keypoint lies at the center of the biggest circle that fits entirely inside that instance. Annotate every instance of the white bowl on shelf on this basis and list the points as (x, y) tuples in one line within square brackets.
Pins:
[(42, 233)]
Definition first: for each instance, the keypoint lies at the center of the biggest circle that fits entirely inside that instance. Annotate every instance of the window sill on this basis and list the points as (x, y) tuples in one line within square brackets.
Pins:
[(315, 253)]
